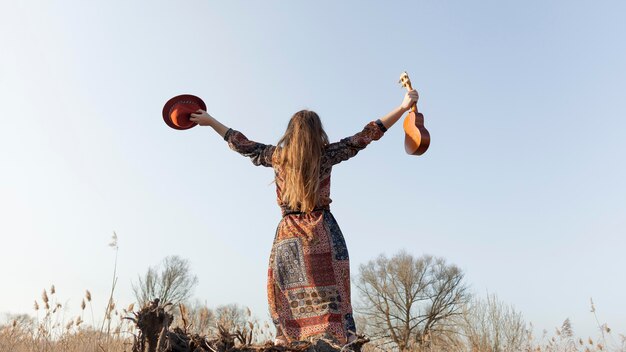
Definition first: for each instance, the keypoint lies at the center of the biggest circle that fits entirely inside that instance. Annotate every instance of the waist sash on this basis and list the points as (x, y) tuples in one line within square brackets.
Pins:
[(297, 212)]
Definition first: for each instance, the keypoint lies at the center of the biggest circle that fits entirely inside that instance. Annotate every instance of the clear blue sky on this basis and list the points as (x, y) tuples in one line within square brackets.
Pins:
[(524, 186)]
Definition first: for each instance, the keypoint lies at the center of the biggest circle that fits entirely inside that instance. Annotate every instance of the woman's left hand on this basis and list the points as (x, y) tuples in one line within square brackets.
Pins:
[(202, 118)]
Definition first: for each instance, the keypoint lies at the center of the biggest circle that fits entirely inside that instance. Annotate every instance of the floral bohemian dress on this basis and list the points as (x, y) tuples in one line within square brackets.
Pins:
[(308, 278)]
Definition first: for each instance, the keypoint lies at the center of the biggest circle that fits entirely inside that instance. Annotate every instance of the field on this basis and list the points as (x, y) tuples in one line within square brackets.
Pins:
[(227, 328)]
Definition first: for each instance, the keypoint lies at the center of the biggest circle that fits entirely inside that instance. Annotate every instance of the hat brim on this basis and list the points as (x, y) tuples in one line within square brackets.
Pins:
[(167, 109)]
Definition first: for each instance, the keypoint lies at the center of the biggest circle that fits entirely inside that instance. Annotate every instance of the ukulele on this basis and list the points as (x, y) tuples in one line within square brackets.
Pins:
[(416, 138)]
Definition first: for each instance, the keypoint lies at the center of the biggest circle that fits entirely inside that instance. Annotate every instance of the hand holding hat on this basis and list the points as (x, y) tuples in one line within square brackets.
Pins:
[(201, 118), (177, 111)]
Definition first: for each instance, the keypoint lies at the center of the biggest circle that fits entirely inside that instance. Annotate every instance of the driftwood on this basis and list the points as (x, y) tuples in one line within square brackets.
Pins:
[(155, 335)]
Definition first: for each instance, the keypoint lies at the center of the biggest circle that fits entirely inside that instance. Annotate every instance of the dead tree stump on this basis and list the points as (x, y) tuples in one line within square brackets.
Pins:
[(155, 335)]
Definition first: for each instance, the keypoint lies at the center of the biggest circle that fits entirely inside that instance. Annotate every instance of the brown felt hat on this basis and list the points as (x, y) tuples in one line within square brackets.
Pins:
[(178, 110)]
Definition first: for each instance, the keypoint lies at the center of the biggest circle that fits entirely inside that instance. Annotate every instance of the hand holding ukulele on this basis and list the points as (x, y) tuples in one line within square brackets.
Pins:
[(410, 99)]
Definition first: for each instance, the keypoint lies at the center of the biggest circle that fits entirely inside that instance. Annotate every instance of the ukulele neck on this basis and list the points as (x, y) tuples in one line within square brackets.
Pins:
[(406, 82), (409, 88)]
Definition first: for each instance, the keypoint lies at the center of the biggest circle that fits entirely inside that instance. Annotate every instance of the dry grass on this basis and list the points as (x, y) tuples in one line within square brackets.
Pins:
[(50, 330)]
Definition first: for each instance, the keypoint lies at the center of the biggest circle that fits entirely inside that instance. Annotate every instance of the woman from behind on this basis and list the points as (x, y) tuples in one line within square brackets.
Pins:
[(308, 277)]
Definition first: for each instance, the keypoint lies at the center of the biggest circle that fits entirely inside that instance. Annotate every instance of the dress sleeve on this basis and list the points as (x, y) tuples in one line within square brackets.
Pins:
[(350, 146), (261, 154)]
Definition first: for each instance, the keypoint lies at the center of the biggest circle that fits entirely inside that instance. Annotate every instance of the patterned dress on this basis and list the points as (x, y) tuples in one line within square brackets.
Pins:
[(308, 278)]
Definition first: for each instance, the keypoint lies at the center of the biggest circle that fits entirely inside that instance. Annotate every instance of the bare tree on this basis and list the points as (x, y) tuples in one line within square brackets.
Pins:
[(231, 316), (171, 282), (409, 302), (490, 325), (198, 318)]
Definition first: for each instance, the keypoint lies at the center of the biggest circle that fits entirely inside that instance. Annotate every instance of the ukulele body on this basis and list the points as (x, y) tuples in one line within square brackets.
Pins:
[(416, 138)]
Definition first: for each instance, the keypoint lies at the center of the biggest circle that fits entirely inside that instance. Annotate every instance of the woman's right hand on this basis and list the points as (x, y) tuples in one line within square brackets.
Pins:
[(410, 98), (202, 118)]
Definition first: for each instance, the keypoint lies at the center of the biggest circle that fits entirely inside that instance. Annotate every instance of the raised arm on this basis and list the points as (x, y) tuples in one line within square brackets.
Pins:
[(203, 118), (259, 153), (394, 115), (348, 147)]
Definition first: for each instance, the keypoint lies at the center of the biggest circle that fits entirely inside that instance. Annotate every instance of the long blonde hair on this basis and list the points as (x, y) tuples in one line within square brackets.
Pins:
[(299, 155)]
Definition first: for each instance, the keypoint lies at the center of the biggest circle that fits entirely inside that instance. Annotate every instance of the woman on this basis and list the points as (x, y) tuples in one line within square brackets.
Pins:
[(308, 282)]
